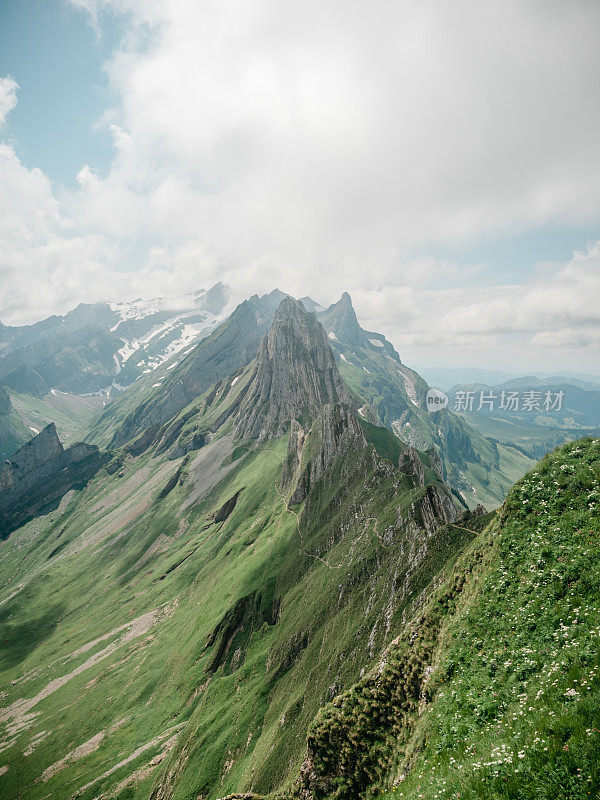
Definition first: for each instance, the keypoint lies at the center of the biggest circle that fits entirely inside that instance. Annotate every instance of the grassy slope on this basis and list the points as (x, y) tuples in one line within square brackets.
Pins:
[(13, 433), (71, 413), (482, 471), (107, 605), (494, 691), (536, 440), (492, 486), (517, 705)]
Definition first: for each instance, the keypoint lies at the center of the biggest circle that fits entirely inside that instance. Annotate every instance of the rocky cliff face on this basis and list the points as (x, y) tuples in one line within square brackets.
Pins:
[(341, 323), (295, 376), (230, 347), (340, 320), (336, 432), (40, 473)]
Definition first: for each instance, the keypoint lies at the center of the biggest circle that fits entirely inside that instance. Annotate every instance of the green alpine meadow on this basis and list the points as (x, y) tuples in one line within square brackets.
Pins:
[(269, 572)]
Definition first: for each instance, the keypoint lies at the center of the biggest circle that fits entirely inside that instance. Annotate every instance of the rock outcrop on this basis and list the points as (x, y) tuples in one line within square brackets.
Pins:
[(411, 464), (435, 459), (340, 319), (230, 347), (335, 433), (434, 508), (40, 473), (295, 376), (294, 453)]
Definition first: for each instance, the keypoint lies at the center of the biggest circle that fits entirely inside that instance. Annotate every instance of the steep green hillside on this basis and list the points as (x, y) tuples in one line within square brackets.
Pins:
[(71, 413), (133, 615), (13, 432), (477, 468), (261, 591), (493, 690)]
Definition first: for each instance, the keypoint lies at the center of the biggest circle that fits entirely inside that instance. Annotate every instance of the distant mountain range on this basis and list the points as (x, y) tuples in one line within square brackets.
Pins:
[(548, 402), (97, 347), (446, 377)]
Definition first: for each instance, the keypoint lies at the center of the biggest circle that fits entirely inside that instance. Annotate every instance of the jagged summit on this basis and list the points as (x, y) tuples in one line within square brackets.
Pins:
[(340, 319), (295, 375), (213, 300), (336, 432), (41, 472)]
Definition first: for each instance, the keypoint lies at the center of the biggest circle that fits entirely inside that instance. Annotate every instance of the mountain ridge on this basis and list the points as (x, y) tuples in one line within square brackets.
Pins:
[(295, 375)]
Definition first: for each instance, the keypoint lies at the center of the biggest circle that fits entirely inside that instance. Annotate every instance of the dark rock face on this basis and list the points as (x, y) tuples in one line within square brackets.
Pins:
[(40, 473), (340, 319), (338, 432), (434, 508), (173, 481), (232, 633), (227, 507), (232, 345), (184, 446), (411, 464), (295, 376)]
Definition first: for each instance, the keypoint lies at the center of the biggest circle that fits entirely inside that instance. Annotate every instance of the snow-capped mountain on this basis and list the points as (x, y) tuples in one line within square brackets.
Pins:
[(100, 347), (154, 331)]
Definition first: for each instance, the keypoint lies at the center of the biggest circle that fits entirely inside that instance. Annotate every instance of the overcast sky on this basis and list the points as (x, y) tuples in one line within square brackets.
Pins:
[(439, 161)]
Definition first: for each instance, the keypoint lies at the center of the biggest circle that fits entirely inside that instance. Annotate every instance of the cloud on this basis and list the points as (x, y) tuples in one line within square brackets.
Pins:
[(553, 318), (8, 97), (310, 133)]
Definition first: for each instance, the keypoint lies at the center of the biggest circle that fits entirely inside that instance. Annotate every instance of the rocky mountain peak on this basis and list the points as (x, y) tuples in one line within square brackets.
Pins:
[(295, 375), (340, 319), (36, 451), (41, 472), (214, 300)]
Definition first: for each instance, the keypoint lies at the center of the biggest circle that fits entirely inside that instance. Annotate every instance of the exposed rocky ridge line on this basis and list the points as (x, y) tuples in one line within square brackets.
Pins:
[(411, 464), (434, 508), (231, 346), (40, 473), (341, 321), (295, 376), (397, 395), (337, 432)]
